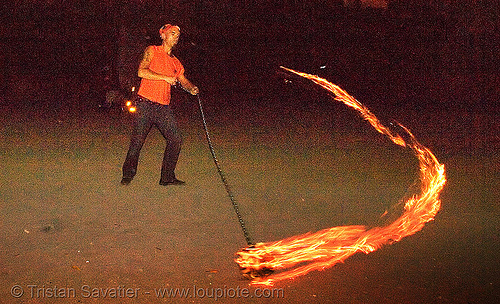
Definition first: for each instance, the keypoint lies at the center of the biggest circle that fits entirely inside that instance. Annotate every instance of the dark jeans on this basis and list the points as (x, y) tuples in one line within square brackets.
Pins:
[(151, 114)]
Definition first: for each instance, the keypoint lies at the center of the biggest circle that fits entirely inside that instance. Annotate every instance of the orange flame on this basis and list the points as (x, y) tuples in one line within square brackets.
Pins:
[(325, 248), (130, 106)]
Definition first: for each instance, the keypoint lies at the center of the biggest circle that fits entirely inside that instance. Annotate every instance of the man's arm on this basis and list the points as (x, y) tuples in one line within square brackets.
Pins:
[(187, 85), (145, 72)]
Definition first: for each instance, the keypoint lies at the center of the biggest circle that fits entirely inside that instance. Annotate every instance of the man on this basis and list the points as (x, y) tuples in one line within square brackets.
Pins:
[(159, 70)]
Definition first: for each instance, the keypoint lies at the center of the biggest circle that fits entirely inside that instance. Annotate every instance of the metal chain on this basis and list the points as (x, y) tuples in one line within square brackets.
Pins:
[(223, 177)]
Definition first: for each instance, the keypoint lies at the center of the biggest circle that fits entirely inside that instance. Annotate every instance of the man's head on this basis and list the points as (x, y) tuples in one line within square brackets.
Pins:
[(170, 34)]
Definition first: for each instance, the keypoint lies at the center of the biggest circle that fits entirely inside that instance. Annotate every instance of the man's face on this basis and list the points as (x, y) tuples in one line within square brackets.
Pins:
[(171, 37)]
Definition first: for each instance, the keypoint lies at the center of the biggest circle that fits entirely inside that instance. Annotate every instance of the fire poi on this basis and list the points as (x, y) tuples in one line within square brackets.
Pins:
[(268, 263)]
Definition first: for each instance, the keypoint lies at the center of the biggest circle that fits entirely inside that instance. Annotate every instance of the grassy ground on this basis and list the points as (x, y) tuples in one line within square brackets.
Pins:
[(67, 223)]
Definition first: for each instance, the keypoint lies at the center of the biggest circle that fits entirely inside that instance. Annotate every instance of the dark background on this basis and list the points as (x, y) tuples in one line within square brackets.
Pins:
[(426, 53), (410, 60)]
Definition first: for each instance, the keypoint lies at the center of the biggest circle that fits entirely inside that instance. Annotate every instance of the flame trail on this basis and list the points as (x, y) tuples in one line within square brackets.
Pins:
[(325, 248)]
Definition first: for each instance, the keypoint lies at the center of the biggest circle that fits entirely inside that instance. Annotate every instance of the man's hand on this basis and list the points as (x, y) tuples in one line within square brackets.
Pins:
[(187, 85), (170, 80), (194, 91)]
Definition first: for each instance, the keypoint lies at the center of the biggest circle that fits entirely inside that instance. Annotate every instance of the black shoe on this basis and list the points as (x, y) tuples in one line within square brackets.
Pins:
[(174, 181), (126, 180)]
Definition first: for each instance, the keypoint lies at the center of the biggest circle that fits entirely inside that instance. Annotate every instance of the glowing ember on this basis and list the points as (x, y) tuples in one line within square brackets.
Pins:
[(298, 255), (130, 106)]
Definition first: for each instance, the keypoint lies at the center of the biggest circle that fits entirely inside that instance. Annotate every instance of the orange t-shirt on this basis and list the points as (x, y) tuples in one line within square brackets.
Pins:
[(162, 63)]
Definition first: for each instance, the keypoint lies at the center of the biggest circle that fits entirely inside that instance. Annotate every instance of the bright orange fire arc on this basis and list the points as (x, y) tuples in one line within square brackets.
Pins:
[(301, 254)]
